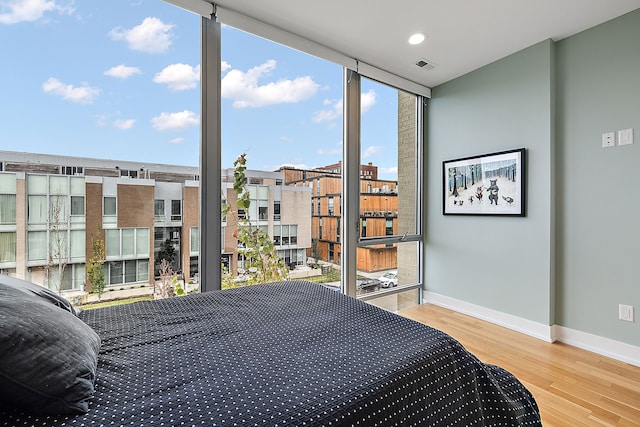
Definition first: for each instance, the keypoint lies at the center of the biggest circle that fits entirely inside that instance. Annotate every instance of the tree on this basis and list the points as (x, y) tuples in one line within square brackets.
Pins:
[(262, 263), (58, 226), (95, 270)]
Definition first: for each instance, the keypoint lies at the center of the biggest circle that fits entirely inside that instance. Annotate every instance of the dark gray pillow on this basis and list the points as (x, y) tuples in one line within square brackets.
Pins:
[(38, 290), (48, 356)]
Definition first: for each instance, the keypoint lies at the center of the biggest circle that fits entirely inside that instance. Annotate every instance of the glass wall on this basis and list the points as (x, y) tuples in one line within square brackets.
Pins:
[(89, 146)]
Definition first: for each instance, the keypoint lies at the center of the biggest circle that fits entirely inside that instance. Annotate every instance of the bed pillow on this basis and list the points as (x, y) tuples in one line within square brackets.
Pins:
[(40, 291), (48, 356)]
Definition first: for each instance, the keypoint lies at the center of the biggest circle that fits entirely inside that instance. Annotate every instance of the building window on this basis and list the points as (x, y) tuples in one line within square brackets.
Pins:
[(285, 235), (7, 247), (363, 229), (71, 170), (276, 210), (330, 206), (127, 272), (331, 250), (7, 209), (126, 173), (194, 240), (73, 278), (338, 229), (77, 205), (37, 246), (176, 210), (127, 243), (389, 227), (158, 209), (109, 210), (320, 229)]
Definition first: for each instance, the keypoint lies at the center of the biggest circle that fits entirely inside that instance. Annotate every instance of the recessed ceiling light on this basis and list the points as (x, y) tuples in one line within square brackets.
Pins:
[(417, 38)]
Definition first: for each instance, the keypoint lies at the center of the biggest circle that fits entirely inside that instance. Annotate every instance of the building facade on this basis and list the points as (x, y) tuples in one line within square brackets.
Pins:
[(52, 208), (378, 213)]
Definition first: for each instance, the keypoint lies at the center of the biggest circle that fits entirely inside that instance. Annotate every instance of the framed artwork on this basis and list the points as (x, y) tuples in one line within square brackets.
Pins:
[(488, 184)]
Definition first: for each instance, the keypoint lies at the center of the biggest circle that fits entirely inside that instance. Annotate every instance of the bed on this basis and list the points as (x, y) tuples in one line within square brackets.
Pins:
[(289, 353)]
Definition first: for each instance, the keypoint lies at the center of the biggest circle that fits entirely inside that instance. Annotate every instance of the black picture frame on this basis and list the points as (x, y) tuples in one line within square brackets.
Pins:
[(487, 184)]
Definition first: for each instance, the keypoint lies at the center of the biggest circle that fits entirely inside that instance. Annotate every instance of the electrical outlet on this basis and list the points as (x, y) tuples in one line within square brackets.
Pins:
[(608, 139), (625, 312), (625, 137)]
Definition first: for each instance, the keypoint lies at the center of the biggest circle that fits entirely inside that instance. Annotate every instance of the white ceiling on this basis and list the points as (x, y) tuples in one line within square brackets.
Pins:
[(462, 35)]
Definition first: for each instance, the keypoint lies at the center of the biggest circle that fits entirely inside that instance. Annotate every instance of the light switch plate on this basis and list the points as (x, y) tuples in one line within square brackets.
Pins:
[(625, 137), (608, 139)]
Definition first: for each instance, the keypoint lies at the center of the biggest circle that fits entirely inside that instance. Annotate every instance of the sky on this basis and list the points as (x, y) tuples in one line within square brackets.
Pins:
[(120, 80)]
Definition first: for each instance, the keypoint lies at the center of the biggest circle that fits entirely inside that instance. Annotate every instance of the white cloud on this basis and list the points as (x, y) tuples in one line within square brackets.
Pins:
[(371, 151), (124, 124), (176, 141), (175, 121), (245, 91), (329, 114), (388, 171), (323, 152), (224, 66), (84, 94), (122, 71), (151, 36), (367, 100), (179, 76), (29, 10), (334, 108)]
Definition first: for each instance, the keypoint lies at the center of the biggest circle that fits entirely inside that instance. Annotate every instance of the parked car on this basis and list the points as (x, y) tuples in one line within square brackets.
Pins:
[(389, 279), (368, 285)]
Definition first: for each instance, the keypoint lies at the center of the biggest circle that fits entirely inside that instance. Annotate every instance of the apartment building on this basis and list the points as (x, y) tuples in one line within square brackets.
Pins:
[(378, 213), (53, 207)]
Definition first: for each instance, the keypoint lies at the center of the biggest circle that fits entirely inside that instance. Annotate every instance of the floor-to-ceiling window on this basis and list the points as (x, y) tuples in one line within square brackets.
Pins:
[(100, 114)]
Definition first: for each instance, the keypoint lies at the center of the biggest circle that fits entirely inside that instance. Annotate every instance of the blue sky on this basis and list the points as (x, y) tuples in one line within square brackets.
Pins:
[(121, 80)]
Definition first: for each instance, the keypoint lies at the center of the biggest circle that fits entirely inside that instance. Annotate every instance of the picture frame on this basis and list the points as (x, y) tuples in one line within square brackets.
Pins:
[(488, 184)]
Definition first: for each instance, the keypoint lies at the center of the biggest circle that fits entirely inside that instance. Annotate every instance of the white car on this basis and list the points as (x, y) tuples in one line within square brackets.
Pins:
[(389, 279)]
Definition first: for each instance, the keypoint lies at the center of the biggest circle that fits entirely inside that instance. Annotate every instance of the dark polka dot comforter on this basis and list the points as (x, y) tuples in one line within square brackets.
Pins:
[(285, 354)]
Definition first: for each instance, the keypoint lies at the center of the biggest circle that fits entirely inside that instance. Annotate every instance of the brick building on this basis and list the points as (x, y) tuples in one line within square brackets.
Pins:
[(53, 207), (378, 213)]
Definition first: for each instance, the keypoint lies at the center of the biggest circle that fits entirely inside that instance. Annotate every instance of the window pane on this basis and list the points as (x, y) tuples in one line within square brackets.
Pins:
[(58, 246), (130, 271), (112, 243), (143, 270), (77, 205), (128, 242), (115, 272), (37, 210), (58, 185), (78, 276), (109, 206), (58, 209), (36, 184), (7, 183), (142, 242), (195, 240), (37, 243), (309, 110), (77, 244), (7, 247), (176, 210), (158, 209), (77, 186), (7, 209)]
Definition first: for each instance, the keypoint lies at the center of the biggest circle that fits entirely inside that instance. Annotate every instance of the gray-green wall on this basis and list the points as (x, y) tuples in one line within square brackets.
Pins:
[(575, 256)]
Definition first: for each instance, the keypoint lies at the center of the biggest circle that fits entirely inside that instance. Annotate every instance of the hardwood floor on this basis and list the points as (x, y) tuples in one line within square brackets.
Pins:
[(572, 387)]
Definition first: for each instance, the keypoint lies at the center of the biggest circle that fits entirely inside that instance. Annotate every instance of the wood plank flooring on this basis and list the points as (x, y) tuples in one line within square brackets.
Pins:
[(573, 387)]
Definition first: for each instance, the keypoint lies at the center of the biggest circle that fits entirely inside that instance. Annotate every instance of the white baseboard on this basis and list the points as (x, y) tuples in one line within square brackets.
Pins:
[(599, 345), (604, 346)]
